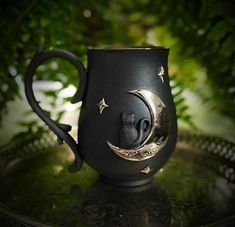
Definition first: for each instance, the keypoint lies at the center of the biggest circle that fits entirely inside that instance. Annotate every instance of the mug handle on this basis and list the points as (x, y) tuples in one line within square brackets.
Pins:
[(61, 130)]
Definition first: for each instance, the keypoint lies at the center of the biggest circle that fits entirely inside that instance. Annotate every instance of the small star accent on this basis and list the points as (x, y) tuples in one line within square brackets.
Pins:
[(161, 74), (102, 105), (146, 170)]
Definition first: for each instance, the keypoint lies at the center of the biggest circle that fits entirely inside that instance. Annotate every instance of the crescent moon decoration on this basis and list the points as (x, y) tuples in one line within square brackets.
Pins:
[(158, 134)]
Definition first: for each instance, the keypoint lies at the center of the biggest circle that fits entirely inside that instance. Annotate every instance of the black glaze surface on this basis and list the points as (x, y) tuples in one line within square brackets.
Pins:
[(111, 74)]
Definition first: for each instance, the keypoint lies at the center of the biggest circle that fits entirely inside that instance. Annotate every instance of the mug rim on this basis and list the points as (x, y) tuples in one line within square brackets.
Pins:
[(125, 48)]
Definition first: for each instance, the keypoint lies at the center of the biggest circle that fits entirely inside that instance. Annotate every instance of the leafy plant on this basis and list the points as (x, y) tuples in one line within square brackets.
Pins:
[(199, 33), (182, 109)]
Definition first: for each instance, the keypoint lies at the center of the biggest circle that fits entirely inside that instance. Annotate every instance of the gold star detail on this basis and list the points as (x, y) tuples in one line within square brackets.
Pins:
[(146, 170), (102, 105), (161, 74)]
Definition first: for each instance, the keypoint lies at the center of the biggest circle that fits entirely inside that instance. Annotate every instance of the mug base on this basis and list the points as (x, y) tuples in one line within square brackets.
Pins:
[(129, 183)]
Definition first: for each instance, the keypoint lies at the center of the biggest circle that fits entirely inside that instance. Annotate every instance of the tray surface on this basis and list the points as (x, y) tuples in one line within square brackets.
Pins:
[(192, 189)]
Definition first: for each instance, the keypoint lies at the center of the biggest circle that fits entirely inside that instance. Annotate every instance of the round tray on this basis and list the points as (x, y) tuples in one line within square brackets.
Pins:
[(195, 188)]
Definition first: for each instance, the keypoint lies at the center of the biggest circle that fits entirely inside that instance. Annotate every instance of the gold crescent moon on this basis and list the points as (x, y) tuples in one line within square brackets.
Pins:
[(153, 143)]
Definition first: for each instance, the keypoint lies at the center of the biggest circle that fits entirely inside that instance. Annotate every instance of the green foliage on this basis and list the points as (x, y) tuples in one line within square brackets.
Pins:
[(199, 33), (179, 100), (206, 31)]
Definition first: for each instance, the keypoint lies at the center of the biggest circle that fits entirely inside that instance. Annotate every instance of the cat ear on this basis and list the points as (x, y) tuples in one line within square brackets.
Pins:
[(128, 117)]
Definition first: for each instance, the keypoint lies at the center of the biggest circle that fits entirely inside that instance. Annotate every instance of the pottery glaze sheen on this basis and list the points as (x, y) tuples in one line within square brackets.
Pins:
[(127, 125)]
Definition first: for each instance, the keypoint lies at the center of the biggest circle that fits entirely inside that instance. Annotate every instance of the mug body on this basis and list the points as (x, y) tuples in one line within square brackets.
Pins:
[(127, 126)]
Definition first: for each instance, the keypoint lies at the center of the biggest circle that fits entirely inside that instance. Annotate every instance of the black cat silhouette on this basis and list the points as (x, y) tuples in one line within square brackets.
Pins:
[(129, 135)]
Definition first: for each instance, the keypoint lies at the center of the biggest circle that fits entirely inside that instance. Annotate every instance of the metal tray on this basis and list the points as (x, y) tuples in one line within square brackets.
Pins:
[(195, 188)]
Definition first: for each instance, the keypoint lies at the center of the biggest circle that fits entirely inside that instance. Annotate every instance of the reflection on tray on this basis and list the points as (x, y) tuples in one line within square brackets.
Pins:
[(191, 190)]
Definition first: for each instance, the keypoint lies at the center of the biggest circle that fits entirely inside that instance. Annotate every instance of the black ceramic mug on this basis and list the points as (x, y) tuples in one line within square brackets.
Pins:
[(127, 126)]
